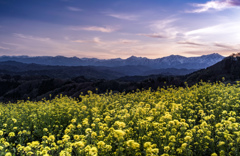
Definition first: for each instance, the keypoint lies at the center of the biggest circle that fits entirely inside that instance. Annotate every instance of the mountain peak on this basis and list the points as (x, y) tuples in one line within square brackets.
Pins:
[(132, 57), (213, 55), (175, 56)]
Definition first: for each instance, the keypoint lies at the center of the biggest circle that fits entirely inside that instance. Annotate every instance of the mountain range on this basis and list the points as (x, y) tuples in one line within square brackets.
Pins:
[(22, 81), (172, 61), (64, 67)]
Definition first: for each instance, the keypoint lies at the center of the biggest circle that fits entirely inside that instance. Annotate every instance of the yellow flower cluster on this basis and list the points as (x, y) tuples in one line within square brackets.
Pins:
[(200, 120)]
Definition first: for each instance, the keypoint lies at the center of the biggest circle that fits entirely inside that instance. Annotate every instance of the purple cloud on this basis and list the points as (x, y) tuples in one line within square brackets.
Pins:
[(224, 46), (234, 2), (123, 16), (125, 41), (190, 43), (4, 48), (94, 40), (154, 35), (215, 5), (31, 37), (74, 9), (94, 28)]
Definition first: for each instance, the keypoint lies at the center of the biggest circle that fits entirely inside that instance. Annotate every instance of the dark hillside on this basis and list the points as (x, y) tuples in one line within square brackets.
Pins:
[(36, 88), (229, 68)]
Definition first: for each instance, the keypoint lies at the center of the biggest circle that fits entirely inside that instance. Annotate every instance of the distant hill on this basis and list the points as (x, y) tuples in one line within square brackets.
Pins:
[(229, 68), (172, 61)]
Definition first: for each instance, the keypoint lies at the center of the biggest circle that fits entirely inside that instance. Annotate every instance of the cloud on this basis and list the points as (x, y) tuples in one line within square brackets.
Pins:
[(163, 29), (31, 37), (235, 2), (162, 24), (4, 48), (11, 44), (125, 41), (207, 30), (214, 5), (190, 43), (74, 9), (225, 46), (123, 16), (98, 41), (94, 40), (94, 28), (218, 33), (154, 35)]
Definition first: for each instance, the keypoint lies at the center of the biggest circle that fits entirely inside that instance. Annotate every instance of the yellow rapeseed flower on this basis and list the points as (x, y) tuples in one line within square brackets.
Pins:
[(119, 134), (8, 154)]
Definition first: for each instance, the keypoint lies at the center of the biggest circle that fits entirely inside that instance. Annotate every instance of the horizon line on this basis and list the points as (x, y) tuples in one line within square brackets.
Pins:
[(111, 58)]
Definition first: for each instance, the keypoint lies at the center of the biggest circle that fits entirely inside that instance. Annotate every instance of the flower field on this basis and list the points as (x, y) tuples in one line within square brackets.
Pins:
[(200, 120)]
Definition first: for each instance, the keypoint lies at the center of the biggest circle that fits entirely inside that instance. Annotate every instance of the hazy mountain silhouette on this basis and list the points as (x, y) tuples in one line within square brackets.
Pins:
[(172, 61)]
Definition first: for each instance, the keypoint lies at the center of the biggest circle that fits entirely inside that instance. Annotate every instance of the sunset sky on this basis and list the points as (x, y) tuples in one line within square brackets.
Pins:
[(119, 28)]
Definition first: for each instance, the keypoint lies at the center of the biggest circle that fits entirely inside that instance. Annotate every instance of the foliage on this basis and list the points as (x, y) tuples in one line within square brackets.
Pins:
[(200, 120)]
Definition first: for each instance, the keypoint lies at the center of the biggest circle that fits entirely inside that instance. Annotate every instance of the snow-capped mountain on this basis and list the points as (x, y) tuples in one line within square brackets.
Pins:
[(172, 61)]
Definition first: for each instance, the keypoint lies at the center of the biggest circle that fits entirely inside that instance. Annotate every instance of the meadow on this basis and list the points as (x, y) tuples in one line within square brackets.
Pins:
[(201, 120)]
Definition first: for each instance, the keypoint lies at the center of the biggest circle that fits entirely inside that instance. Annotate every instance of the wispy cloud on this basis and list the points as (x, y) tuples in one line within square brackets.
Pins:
[(162, 24), (125, 41), (11, 44), (74, 9), (31, 37), (154, 35), (99, 41), (229, 30), (190, 43), (214, 5), (94, 40), (163, 29), (225, 46), (123, 16), (94, 28), (235, 2), (4, 48)]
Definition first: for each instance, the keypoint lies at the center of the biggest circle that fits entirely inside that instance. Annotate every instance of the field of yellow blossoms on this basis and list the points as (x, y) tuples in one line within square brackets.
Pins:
[(200, 120)]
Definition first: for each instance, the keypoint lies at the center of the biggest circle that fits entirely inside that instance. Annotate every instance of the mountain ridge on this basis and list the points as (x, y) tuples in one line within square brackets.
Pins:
[(172, 61)]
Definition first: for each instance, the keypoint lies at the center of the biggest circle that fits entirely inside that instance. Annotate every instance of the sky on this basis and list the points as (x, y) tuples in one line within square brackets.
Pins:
[(119, 28)]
